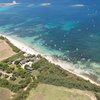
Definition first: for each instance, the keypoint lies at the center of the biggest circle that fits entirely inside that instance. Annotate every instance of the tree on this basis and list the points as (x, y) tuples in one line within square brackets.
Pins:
[(0, 74), (6, 76), (17, 62), (12, 78)]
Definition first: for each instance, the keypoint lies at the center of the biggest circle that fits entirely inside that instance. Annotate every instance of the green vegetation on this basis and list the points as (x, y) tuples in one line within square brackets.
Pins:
[(6, 84), (2, 38), (15, 49), (22, 95), (44, 72), (16, 79), (55, 75), (13, 74)]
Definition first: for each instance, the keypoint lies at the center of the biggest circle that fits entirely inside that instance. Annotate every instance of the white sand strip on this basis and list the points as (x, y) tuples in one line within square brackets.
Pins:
[(23, 47)]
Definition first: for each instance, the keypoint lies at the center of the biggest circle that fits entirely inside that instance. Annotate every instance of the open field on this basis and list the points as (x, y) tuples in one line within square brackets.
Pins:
[(5, 50), (5, 94), (50, 92)]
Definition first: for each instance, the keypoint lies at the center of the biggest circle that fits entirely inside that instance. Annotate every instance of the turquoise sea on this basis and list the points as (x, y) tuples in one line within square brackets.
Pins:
[(66, 29)]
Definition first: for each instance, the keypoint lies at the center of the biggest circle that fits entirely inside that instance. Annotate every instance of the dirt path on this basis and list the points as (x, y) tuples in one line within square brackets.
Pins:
[(10, 75)]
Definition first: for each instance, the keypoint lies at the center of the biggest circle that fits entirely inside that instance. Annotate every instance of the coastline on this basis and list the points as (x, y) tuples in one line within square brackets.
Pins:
[(25, 48)]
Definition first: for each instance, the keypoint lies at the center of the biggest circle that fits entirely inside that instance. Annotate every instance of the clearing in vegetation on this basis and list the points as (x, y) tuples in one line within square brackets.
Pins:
[(50, 92), (5, 94), (5, 50)]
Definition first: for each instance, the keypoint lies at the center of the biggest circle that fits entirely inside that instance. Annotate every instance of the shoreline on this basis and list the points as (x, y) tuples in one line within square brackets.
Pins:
[(27, 49)]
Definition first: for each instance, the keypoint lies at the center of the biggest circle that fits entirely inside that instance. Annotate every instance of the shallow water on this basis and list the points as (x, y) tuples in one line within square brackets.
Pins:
[(69, 29)]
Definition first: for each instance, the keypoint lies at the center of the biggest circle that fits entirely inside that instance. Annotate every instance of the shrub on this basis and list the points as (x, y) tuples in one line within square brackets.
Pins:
[(6, 76), (12, 78)]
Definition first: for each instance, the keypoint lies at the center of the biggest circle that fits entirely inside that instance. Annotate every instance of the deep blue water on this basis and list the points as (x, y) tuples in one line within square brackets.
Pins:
[(67, 28)]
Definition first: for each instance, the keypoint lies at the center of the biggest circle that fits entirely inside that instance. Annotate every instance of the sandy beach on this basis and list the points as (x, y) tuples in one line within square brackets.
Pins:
[(65, 65)]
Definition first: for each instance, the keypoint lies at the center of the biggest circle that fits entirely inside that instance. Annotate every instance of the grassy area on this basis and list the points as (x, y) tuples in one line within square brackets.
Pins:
[(5, 94), (5, 50), (50, 92)]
